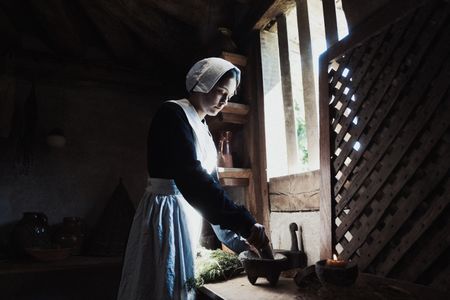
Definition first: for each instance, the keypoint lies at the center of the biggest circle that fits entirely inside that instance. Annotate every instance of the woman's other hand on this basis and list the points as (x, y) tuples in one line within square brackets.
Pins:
[(258, 237)]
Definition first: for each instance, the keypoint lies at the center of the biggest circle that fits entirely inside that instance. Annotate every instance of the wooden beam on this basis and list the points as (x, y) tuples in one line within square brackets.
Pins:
[(111, 30), (329, 16), (277, 8), (58, 28), (309, 92), (299, 192), (288, 99), (259, 15)]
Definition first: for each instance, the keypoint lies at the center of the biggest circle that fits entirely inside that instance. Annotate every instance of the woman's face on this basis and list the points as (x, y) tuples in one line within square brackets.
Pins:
[(214, 101)]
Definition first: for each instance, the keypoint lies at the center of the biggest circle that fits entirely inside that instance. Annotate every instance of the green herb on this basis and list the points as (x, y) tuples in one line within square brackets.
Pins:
[(214, 265)]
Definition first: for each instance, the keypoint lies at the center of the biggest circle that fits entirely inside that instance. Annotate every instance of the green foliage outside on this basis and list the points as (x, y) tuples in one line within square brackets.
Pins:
[(302, 143)]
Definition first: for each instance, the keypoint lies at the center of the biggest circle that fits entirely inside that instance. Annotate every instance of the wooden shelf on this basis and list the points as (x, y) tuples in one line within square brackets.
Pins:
[(71, 263), (235, 59), (234, 176), (236, 108), (231, 117)]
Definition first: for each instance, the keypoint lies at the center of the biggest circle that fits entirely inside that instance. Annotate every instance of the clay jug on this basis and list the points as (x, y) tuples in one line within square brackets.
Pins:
[(32, 231), (71, 235), (225, 157)]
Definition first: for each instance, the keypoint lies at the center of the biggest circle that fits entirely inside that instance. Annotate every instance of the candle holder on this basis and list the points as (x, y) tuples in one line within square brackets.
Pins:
[(343, 274)]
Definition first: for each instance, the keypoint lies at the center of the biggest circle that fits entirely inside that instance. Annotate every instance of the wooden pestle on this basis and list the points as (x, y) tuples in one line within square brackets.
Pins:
[(266, 251)]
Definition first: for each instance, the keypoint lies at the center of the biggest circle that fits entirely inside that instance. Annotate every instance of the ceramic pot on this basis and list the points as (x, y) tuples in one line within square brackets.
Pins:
[(32, 231), (71, 235)]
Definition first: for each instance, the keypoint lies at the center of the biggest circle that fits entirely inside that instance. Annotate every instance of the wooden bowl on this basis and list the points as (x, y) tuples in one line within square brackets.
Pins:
[(49, 254), (342, 275), (256, 267)]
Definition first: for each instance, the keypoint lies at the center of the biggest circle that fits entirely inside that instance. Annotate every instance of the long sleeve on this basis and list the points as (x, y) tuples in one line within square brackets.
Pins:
[(172, 155)]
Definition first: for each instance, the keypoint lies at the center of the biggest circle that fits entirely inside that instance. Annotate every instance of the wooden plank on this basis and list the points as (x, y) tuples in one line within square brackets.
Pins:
[(234, 172), (355, 131), (417, 230), (365, 74), (382, 80), (402, 143), (421, 189), (439, 242), (299, 192), (367, 286), (231, 116), (235, 59), (288, 99), (236, 108), (378, 67), (347, 61), (429, 68), (329, 17), (343, 89), (326, 200), (234, 181), (309, 93)]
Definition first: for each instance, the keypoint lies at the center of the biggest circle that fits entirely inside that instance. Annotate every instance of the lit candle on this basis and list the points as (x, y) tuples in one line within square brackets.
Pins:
[(336, 262)]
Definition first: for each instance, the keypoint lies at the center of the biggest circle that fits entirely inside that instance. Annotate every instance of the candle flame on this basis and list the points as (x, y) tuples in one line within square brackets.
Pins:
[(334, 257)]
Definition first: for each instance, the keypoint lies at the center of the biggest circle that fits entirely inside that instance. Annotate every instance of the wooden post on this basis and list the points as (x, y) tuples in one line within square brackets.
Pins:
[(326, 208), (309, 93), (257, 140), (288, 100), (329, 16)]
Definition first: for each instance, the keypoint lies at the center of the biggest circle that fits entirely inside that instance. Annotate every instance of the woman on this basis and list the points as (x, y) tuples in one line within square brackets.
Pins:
[(183, 182)]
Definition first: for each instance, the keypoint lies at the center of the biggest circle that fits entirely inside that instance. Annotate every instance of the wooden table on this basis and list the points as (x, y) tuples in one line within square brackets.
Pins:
[(367, 287), (75, 278), (71, 263)]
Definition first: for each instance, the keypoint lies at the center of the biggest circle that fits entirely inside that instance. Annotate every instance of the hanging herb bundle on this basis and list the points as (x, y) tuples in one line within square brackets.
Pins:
[(27, 128), (214, 265)]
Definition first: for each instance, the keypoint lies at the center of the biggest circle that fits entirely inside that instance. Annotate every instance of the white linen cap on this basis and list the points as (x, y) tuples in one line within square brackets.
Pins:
[(205, 73)]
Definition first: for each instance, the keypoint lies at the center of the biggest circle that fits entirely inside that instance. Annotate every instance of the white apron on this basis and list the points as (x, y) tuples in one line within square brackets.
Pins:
[(160, 253)]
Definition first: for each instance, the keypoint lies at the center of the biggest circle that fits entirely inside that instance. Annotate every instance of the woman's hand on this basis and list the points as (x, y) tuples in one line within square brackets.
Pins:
[(258, 237)]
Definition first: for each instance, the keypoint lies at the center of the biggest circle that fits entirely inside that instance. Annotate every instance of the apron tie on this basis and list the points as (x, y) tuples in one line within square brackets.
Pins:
[(162, 186)]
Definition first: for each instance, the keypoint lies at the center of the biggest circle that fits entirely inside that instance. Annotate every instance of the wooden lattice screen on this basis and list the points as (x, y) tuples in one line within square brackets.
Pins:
[(385, 114)]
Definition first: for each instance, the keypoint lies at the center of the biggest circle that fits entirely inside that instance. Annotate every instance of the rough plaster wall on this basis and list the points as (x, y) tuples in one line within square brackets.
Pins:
[(309, 221), (106, 129)]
